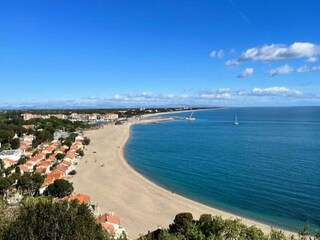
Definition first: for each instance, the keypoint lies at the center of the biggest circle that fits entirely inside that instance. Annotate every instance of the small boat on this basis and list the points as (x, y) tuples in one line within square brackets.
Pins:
[(190, 118), (235, 122)]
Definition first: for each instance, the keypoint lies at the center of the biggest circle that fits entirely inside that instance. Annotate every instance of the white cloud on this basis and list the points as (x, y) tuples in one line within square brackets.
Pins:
[(275, 52), (217, 53), (214, 97), (145, 96), (213, 54), (280, 70), (233, 62), (222, 93), (220, 54), (276, 91), (248, 72), (312, 59), (306, 68)]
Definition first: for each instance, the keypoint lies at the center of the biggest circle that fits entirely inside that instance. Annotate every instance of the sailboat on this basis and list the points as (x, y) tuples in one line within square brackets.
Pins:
[(190, 118), (235, 122)]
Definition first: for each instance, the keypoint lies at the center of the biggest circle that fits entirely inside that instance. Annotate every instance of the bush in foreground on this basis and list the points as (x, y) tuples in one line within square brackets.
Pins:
[(184, 227), (40, 218)]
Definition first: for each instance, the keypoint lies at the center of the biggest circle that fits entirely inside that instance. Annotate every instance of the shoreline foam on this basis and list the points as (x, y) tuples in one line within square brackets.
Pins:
[(141, 204)]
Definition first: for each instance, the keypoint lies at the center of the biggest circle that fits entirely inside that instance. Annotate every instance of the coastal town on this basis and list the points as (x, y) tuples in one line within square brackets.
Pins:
[(32, 165), (37, 168)]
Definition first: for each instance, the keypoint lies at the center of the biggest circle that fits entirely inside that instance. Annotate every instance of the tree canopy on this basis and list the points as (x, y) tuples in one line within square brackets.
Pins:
[(41, 219), (184, 227), (29, 183), (60, 188)]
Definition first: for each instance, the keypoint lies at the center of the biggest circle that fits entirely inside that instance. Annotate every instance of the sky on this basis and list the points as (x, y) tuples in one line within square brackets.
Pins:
[(135, 53)]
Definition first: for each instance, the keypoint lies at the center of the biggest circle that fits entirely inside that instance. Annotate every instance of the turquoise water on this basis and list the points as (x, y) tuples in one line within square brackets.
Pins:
[(267, 168)]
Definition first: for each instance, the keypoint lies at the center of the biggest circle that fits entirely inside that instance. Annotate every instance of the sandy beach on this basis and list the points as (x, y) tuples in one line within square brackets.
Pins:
[(140, 204)]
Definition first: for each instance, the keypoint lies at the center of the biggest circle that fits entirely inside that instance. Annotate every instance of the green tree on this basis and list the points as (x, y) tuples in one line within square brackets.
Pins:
[(6, 136), (17, 170), (205, 224), (60, 188), (67, 142), (7, 216), (15, 143), (4, 185), (73, 172), (80, 152), (86, 141), (60, 156), (22, 160), (1, 165), (276, 235), (29, 183), (40, 218), (181, 223)]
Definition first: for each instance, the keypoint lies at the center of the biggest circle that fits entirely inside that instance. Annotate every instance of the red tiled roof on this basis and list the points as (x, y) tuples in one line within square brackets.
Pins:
[(61, 167), (38, 157), (48, 149), (70, 155), (23, 167), (61, 149), (53, 156), (41, 170), (9, 161), (109, 227), (51, 177), (82, 198), (47, 181), (44, 164), (66, 163), (109, 217), (28, 164), (55, 174)]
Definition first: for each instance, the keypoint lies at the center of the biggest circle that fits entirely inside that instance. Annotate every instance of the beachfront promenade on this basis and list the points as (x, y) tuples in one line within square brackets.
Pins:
[(105, 175)]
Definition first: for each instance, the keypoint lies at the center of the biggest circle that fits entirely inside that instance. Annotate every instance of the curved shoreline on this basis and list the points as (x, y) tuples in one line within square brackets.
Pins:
[(141, 204)]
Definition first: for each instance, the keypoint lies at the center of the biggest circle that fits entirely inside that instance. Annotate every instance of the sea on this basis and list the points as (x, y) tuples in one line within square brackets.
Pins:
[(267, 168)]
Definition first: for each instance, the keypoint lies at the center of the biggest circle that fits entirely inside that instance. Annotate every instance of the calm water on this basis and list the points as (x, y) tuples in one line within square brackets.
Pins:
[(267, 168)]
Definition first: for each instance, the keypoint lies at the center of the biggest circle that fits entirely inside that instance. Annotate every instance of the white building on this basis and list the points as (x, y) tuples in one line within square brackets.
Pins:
[(27, 116), (60, 134), (111, 116), (11, 154)]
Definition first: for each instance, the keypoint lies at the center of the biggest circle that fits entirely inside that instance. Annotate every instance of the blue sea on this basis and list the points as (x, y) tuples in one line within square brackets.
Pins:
[(267, 168)]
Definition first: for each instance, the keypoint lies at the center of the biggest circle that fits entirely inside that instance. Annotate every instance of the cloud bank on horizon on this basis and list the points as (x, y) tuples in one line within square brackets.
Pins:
[(214, 97)]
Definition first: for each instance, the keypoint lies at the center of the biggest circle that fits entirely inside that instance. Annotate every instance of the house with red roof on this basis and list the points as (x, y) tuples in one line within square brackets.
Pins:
[(48, 149), (111, 223), (44, 167), (26, 167), (81, 198), (70, 156), (37, 158), (9, 162), (41, 170), (64, 169), (49, 179)]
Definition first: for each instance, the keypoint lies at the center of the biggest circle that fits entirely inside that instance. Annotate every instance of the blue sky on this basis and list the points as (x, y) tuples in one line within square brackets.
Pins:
[(159, 53)]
